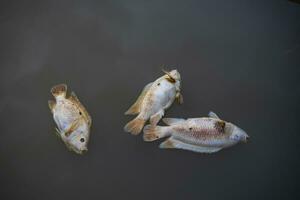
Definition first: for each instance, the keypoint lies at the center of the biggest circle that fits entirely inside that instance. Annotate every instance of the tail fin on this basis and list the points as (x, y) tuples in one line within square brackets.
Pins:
[(152, 133), (135, 126), (59, 90)]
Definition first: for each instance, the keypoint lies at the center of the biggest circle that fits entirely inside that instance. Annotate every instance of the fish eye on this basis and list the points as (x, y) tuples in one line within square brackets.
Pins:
[(158, 83), (80, 113), (190, 128), (82, 140)]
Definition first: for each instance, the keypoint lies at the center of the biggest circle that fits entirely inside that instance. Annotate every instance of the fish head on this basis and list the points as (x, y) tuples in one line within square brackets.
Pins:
[(78, 141), (173, 74), (238, 135)]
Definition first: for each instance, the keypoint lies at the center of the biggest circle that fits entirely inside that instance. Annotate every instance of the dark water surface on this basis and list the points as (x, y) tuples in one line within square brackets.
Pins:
[(240, 59)]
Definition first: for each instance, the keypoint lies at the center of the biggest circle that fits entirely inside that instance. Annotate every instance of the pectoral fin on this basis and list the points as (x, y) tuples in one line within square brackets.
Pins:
[(136, 107), (179, 98), (172, 143), (171, 121), (72, 128)]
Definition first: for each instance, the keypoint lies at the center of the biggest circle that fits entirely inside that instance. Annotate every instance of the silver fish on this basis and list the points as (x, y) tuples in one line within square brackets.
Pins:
[(155, 98), (203, 135), (72, 120)]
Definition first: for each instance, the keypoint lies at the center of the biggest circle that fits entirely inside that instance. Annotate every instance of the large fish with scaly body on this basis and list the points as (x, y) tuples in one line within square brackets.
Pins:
[(203, 135), (72, 120), (155, 98)]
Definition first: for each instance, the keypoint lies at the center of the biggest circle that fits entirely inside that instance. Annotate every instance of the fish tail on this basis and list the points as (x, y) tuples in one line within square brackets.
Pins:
[(59, 90), (152, 133), (135, 126)]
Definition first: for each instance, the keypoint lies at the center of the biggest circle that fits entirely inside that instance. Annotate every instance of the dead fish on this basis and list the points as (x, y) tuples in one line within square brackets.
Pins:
[(72, 120), (155, 98), (203, 135)]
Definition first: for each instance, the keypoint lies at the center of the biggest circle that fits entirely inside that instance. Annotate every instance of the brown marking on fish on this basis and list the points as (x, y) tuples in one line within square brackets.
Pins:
[(72, 128), (220, 126), (170, 79)]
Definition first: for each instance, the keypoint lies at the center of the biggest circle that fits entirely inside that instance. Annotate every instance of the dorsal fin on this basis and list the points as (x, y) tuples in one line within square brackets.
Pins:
[(73, 97), (171, 121), (136, 107), (213, 115)]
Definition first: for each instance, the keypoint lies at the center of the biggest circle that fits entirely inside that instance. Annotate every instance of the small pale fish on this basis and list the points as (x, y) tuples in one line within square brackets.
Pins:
[(155, 98), (72, 120), (203, 135)]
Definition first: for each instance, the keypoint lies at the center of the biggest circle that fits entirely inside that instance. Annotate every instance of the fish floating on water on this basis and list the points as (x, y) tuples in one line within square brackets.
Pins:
[(72, 120), (155, 98), (203, 135)]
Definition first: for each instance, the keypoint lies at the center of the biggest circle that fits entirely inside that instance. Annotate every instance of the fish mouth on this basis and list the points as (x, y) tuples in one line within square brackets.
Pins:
[(82, 151), (79, 151), (246, 139)]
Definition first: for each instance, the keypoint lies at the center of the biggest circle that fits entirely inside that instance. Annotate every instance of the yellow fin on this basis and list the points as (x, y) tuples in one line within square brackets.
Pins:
[(51, 104), (167, 144), (59, 90), (152, 133), (136, 107), (135, 126), (73, 97)]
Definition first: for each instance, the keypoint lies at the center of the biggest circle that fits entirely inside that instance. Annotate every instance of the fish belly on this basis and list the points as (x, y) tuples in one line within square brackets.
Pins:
[(64, 118), (164, 95)]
